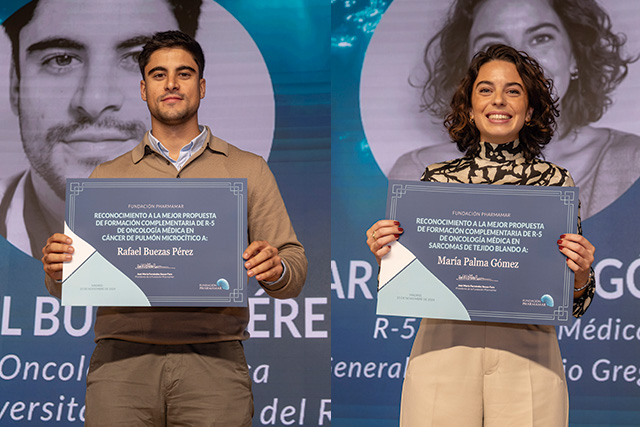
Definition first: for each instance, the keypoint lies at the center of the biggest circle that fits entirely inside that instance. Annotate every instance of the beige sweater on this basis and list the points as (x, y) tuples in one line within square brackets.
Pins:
[(267, 220)]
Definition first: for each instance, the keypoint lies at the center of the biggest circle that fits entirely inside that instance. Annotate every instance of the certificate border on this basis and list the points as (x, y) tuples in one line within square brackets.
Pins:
[(237, 186), (567, 195)]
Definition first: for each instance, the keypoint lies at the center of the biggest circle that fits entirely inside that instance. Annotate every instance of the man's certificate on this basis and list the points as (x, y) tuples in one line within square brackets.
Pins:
[(156, 242), (479, 252)]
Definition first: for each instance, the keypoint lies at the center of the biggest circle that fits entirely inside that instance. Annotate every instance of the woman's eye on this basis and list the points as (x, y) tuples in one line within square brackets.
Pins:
[(541, 39)]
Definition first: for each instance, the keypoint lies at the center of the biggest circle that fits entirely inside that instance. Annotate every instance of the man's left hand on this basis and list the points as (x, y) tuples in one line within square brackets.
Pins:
[(263, 261)]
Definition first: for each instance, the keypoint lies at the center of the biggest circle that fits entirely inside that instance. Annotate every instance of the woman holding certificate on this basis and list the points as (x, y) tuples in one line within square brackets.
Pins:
[(494, 374)]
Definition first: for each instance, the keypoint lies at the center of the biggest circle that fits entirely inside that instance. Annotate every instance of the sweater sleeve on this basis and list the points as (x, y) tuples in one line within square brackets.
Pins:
[(53, 286), (268, 220)]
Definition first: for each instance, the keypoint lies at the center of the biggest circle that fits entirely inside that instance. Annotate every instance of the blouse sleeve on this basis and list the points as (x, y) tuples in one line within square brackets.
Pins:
[(581, 303)]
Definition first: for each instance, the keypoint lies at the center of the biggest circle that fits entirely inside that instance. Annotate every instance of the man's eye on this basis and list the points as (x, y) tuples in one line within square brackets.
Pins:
[(129, 61), (61, 63)]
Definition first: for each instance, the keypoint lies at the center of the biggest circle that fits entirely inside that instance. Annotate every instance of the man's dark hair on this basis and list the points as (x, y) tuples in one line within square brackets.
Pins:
[(186, 12), (171, 39), (598, 52), (536, 133)]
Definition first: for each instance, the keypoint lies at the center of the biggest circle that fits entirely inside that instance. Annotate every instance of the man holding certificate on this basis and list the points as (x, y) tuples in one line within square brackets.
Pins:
[(183, 365), (475, 373)]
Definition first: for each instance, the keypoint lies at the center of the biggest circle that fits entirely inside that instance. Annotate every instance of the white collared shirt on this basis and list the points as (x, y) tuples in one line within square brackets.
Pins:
[(185, 152)]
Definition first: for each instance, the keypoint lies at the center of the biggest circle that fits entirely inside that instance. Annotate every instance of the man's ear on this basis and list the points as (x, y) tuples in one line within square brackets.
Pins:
[(14, 89), (203, 88), (143, 90)]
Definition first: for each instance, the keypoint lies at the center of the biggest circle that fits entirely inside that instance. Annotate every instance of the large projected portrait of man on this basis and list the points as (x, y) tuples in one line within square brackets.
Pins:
[(578, 47), (73, 67)]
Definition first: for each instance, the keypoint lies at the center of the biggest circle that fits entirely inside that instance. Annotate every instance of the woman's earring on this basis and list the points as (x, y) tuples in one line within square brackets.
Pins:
[(574, 74)]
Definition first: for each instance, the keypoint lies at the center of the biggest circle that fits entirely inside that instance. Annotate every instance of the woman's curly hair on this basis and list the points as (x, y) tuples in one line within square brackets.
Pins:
[(597, 50), (536, 133)]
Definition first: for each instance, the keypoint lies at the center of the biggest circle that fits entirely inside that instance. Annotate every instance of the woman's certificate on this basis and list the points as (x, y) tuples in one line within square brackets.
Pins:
[(479, 252), (156, 242)]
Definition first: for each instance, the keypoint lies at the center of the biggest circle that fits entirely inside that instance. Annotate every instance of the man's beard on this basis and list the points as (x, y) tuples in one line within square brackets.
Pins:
[(171, 116), (54, 173)]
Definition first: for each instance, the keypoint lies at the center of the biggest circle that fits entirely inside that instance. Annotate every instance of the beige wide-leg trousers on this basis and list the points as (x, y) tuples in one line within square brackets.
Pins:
[(477, 374)]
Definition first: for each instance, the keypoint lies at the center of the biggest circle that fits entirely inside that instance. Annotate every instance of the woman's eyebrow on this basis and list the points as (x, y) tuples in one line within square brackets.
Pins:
[(542, 25), (496, 35), (487, 82), (488, 35)]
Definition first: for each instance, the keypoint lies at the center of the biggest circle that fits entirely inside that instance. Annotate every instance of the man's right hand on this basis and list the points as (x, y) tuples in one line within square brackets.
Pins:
[(57, 250)]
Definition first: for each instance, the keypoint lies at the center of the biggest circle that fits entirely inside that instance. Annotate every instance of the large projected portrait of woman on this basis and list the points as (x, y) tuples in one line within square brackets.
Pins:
[(588, 48), (72, 96)]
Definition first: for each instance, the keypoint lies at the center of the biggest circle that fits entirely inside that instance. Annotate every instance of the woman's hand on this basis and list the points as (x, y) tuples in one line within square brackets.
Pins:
[(579, 252), (381, 234)]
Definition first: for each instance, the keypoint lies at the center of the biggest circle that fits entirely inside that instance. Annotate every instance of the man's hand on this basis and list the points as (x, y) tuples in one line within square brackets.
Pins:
[(56, 251), (263, 261)]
